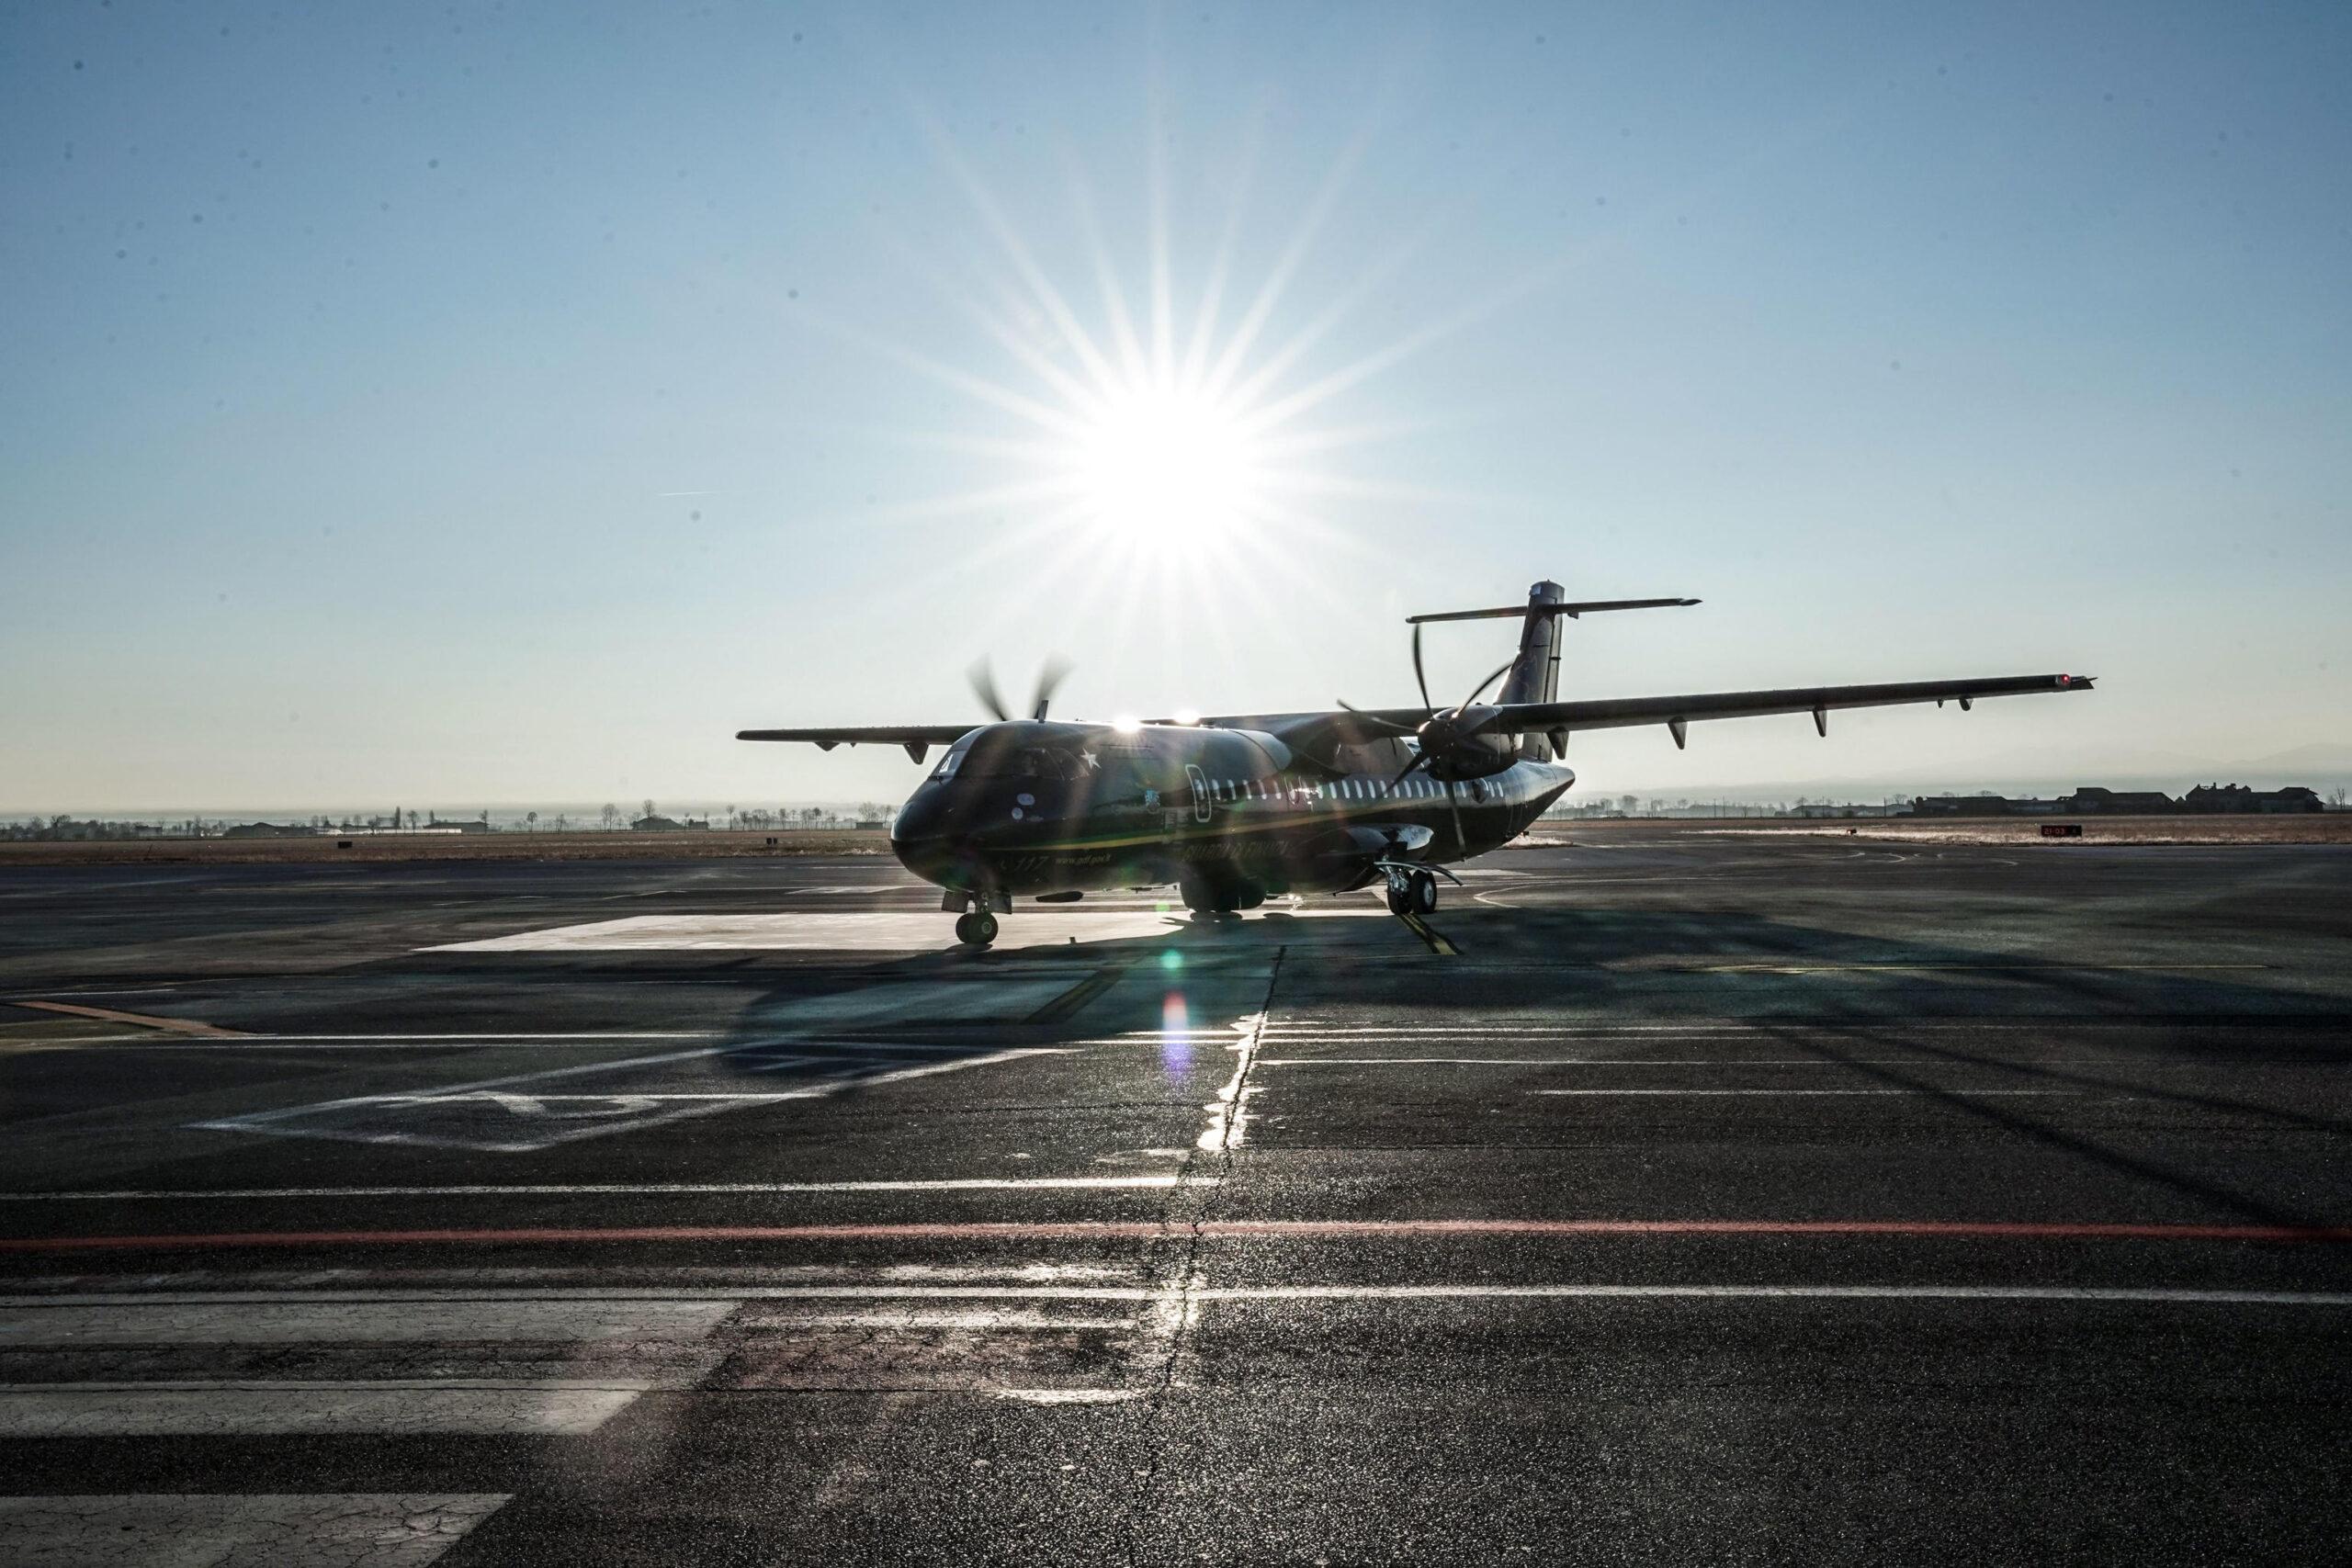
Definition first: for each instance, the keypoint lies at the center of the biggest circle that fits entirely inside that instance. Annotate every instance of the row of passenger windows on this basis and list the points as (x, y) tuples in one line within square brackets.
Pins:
[(1417, 787)]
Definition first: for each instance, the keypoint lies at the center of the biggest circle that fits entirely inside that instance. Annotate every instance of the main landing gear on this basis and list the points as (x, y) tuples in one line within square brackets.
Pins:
[(1412, 890), (976, 929)]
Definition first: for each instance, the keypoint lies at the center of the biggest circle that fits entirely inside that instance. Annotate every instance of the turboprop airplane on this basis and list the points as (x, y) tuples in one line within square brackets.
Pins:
[(1234, 808)]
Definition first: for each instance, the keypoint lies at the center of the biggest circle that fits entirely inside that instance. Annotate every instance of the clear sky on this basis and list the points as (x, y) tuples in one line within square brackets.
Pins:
[(478, 404)]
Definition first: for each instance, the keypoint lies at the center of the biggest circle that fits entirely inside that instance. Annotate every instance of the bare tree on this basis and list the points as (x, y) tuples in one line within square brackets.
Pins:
[(612, 815)]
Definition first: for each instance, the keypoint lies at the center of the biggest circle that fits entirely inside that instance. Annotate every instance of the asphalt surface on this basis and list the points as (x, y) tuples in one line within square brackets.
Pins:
[(1695, 1197)]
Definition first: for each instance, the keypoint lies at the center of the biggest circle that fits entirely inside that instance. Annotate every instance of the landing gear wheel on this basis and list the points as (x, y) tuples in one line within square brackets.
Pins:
[(1400, 898), (977, 928), (1423, 893)]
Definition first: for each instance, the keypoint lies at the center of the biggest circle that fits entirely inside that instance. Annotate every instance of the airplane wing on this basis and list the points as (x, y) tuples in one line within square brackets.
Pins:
[(915, 738), (1617, 712), (1316, 731)]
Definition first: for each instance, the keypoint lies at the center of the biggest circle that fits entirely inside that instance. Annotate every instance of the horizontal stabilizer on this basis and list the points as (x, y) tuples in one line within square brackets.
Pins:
[(1516, 611)]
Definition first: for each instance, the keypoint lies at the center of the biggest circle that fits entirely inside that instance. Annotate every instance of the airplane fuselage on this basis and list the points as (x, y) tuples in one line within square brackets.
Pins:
[(1024, 808)]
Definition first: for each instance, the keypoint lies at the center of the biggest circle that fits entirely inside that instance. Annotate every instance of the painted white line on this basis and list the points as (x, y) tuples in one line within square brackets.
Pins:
[(1068, 1395), (627, 1110), (1914, 1093), (2151, 1294), (354, 1322), (250, 1120), (551, 1408), (915, 1317), (608, 1189), (332, 1529), (1717, 1063)]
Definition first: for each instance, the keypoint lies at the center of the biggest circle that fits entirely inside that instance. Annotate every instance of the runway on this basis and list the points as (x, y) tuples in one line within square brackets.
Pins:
[(1688, 1197)]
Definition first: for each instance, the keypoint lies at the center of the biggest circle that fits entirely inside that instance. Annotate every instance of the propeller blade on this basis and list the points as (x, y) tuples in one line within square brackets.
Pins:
[(1417, 759), (1051, 675), (984, 687), (1460, 839), (1423, 680), (1489, 680), (1376, 721)]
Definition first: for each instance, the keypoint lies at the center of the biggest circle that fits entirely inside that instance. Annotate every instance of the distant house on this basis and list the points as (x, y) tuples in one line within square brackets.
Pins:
[(267, 831), (2236, 799), (669, 824), (2095, 799)]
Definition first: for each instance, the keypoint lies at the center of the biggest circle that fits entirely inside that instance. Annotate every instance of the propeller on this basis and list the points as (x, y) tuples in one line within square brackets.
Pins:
[(1437, 733), (1050, 676)]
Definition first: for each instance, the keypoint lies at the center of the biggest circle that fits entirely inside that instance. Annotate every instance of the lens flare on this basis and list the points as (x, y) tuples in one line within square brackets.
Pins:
[(1175, 1035)]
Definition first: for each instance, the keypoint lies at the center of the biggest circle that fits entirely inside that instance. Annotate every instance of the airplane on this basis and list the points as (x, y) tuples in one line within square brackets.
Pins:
[(1237, 808)]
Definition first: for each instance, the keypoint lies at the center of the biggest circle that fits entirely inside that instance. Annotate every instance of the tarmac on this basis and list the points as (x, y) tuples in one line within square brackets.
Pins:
[(1686, 1196)]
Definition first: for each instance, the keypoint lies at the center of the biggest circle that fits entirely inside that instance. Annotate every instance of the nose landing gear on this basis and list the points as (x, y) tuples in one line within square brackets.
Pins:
[(1412, 889), (976, 929)]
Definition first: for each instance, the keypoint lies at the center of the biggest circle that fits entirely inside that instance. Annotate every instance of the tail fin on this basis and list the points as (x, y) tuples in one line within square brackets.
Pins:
[(1535, 675)]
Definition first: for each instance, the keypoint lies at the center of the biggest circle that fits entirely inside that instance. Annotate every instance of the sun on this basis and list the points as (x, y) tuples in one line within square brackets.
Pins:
[(1160, 464)]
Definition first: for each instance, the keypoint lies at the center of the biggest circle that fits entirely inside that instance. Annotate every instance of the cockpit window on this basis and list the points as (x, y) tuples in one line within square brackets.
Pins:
[(1023, 762)]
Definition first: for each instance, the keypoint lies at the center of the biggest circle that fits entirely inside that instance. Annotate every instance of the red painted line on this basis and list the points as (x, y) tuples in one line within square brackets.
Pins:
[(1978, 1230)]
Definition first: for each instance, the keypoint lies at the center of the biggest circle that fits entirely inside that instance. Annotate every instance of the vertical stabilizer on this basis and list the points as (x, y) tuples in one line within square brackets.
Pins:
[(1535, 677)]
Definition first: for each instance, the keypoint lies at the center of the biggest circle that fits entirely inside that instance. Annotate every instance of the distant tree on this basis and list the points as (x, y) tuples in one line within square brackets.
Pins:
[(648, 806), (2335, 797), (562, 822), (612, 815), (531, 820)]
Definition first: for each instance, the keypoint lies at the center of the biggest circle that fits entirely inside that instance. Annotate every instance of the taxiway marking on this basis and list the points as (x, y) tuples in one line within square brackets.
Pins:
[(610, 1189), (371, 1323), (1439, 943), (143, 1020), (1716, 1062), (1152, 1230), (1914, 1093), (556, 1407), (1335, 1292), (632, 1110), (331, 1529)]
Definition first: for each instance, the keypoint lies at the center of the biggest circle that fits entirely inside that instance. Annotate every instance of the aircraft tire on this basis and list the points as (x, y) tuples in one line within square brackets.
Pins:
[(1400, 901), (1423, 893), (977, 928)]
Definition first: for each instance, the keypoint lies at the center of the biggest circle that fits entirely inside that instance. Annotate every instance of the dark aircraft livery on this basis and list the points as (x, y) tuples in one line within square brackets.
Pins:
[(1234, 808)]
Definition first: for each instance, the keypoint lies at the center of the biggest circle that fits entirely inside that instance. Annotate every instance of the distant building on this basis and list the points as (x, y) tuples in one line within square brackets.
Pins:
[(267, 830), (658, 823), (2097, 800), (2093, 799), (2236, 798), (1983, 805)]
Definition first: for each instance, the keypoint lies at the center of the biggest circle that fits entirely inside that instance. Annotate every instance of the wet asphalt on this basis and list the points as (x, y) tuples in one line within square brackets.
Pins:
[(1684, 1197)]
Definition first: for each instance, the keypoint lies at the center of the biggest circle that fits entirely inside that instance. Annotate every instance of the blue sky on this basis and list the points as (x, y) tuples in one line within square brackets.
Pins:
[(476, 405)]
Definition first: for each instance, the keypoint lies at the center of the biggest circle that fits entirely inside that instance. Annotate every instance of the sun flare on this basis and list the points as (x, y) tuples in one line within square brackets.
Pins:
[(1163, 464)]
